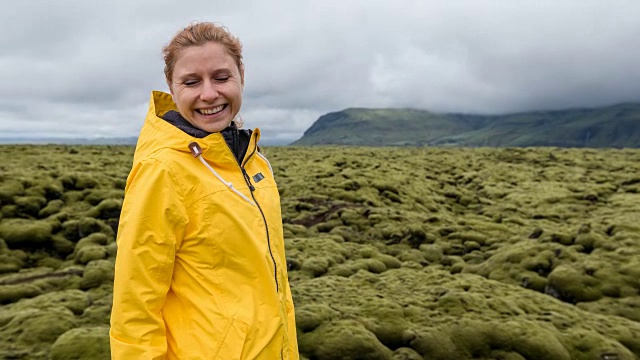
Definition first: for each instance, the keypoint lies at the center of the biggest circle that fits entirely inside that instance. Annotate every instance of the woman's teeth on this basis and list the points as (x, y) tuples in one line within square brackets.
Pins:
[(211, 111)]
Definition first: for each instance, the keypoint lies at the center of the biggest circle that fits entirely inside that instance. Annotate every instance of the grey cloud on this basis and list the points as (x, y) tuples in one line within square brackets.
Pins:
[(86, 67)]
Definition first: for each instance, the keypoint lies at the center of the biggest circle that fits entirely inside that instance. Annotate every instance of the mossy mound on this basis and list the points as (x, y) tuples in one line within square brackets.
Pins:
[(23, 233), (34, 327), (99, 312), (9, 263), (34, 324), (52, 208), (342, 340), (74, 300), (78, 182), (30, 206), (37, 281), (96, 196), (75, 230), (86, 343), (10, 190), (90, 253), (96, 273), (106, 209)]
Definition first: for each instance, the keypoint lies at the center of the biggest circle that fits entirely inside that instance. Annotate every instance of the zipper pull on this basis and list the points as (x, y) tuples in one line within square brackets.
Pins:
[(247, 179)]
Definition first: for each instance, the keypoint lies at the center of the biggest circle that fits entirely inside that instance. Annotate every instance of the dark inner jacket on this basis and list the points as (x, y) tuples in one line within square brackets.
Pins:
[(237, 139)]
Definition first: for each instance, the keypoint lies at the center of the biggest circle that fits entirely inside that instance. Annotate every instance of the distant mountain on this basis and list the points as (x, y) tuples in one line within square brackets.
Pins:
[(612, 126)]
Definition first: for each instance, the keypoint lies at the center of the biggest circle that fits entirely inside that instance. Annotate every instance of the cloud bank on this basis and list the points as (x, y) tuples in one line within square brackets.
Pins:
[(86, 68)]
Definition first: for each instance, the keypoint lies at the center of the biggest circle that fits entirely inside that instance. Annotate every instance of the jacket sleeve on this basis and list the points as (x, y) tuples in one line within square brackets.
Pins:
[(151, 228)]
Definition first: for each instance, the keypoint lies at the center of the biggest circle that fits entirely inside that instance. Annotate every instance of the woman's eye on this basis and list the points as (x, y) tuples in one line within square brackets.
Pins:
[(190, 82), (222, 78)]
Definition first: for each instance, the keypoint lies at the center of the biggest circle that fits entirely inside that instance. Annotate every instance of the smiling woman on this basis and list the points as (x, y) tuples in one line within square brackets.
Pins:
[(200, 269)]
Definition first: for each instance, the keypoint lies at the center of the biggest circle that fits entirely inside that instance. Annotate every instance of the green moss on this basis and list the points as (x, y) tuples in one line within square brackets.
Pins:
[(9, 263), (61, 245), (92, 240), (373, 265), (308, 318), (49, 262), (316, 266), (563, 239), (53, 190), (405, 353), (78, 182), (75, 230), (9, 190), (9, 211), (344, 339), (412, 255), (99, 312), (86, 343), (574, 285), (433, 344), (19, 233), (343, 270), (74, 300), (37, 327), (96, 273), (476, 237), (471, 246), (53, 207), (389, 261), (96, 196), (30, 205), (90, 253), (456, 211), (348, 234), (107, 209), (329, 225), (112, 249)]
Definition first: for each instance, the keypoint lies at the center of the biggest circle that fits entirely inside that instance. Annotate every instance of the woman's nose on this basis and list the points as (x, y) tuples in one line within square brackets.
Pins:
[(208, 92)]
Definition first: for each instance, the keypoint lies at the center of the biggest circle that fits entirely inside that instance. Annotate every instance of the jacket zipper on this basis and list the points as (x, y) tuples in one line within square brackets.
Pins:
[(247, 179)]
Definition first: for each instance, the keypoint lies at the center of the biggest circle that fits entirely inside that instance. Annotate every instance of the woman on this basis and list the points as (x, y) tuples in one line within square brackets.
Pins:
[(200, 270)]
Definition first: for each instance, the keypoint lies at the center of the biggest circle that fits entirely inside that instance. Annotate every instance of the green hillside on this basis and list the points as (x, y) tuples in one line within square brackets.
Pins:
[(613, 126)]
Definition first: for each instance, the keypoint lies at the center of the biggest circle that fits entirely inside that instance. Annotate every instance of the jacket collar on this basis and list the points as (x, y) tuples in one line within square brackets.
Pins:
[(158, 134)]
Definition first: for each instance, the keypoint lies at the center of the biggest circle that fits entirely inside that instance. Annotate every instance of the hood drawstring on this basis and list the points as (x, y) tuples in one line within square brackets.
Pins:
[(196, 151)]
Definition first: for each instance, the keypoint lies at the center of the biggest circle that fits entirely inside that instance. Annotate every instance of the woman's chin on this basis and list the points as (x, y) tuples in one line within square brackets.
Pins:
[(211, 124), (215, 127)]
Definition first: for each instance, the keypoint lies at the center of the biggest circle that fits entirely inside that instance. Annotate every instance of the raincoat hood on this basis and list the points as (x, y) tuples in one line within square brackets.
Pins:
[(157, 134)]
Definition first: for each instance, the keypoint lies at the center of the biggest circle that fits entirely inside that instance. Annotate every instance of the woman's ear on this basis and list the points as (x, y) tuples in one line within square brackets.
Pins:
[(242, 75)]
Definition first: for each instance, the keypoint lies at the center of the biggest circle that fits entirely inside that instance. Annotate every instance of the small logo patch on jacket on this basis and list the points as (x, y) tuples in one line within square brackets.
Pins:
[(257, 177)]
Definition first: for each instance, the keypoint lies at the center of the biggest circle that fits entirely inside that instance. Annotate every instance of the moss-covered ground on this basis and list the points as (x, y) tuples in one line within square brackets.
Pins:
[(393, 253)]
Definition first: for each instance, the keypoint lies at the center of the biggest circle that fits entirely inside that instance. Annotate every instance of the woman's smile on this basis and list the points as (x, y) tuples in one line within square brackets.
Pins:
[(209, 111)]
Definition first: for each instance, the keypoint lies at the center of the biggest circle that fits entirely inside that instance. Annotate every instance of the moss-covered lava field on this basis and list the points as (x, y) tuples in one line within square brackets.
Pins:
[(393, 253)]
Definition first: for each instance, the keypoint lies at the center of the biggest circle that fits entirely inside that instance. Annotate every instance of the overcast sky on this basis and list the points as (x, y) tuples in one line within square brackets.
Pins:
[(83, 68)]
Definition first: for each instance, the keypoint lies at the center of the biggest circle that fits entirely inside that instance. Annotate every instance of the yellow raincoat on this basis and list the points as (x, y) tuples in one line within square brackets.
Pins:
[(200, 270)]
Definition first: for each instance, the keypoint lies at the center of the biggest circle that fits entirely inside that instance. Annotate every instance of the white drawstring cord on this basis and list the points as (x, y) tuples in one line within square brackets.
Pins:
[(197, 152), (268, 163), (227, 183)]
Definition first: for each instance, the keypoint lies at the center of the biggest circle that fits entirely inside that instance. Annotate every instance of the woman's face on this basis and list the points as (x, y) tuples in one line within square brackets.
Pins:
[(207, 86)]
